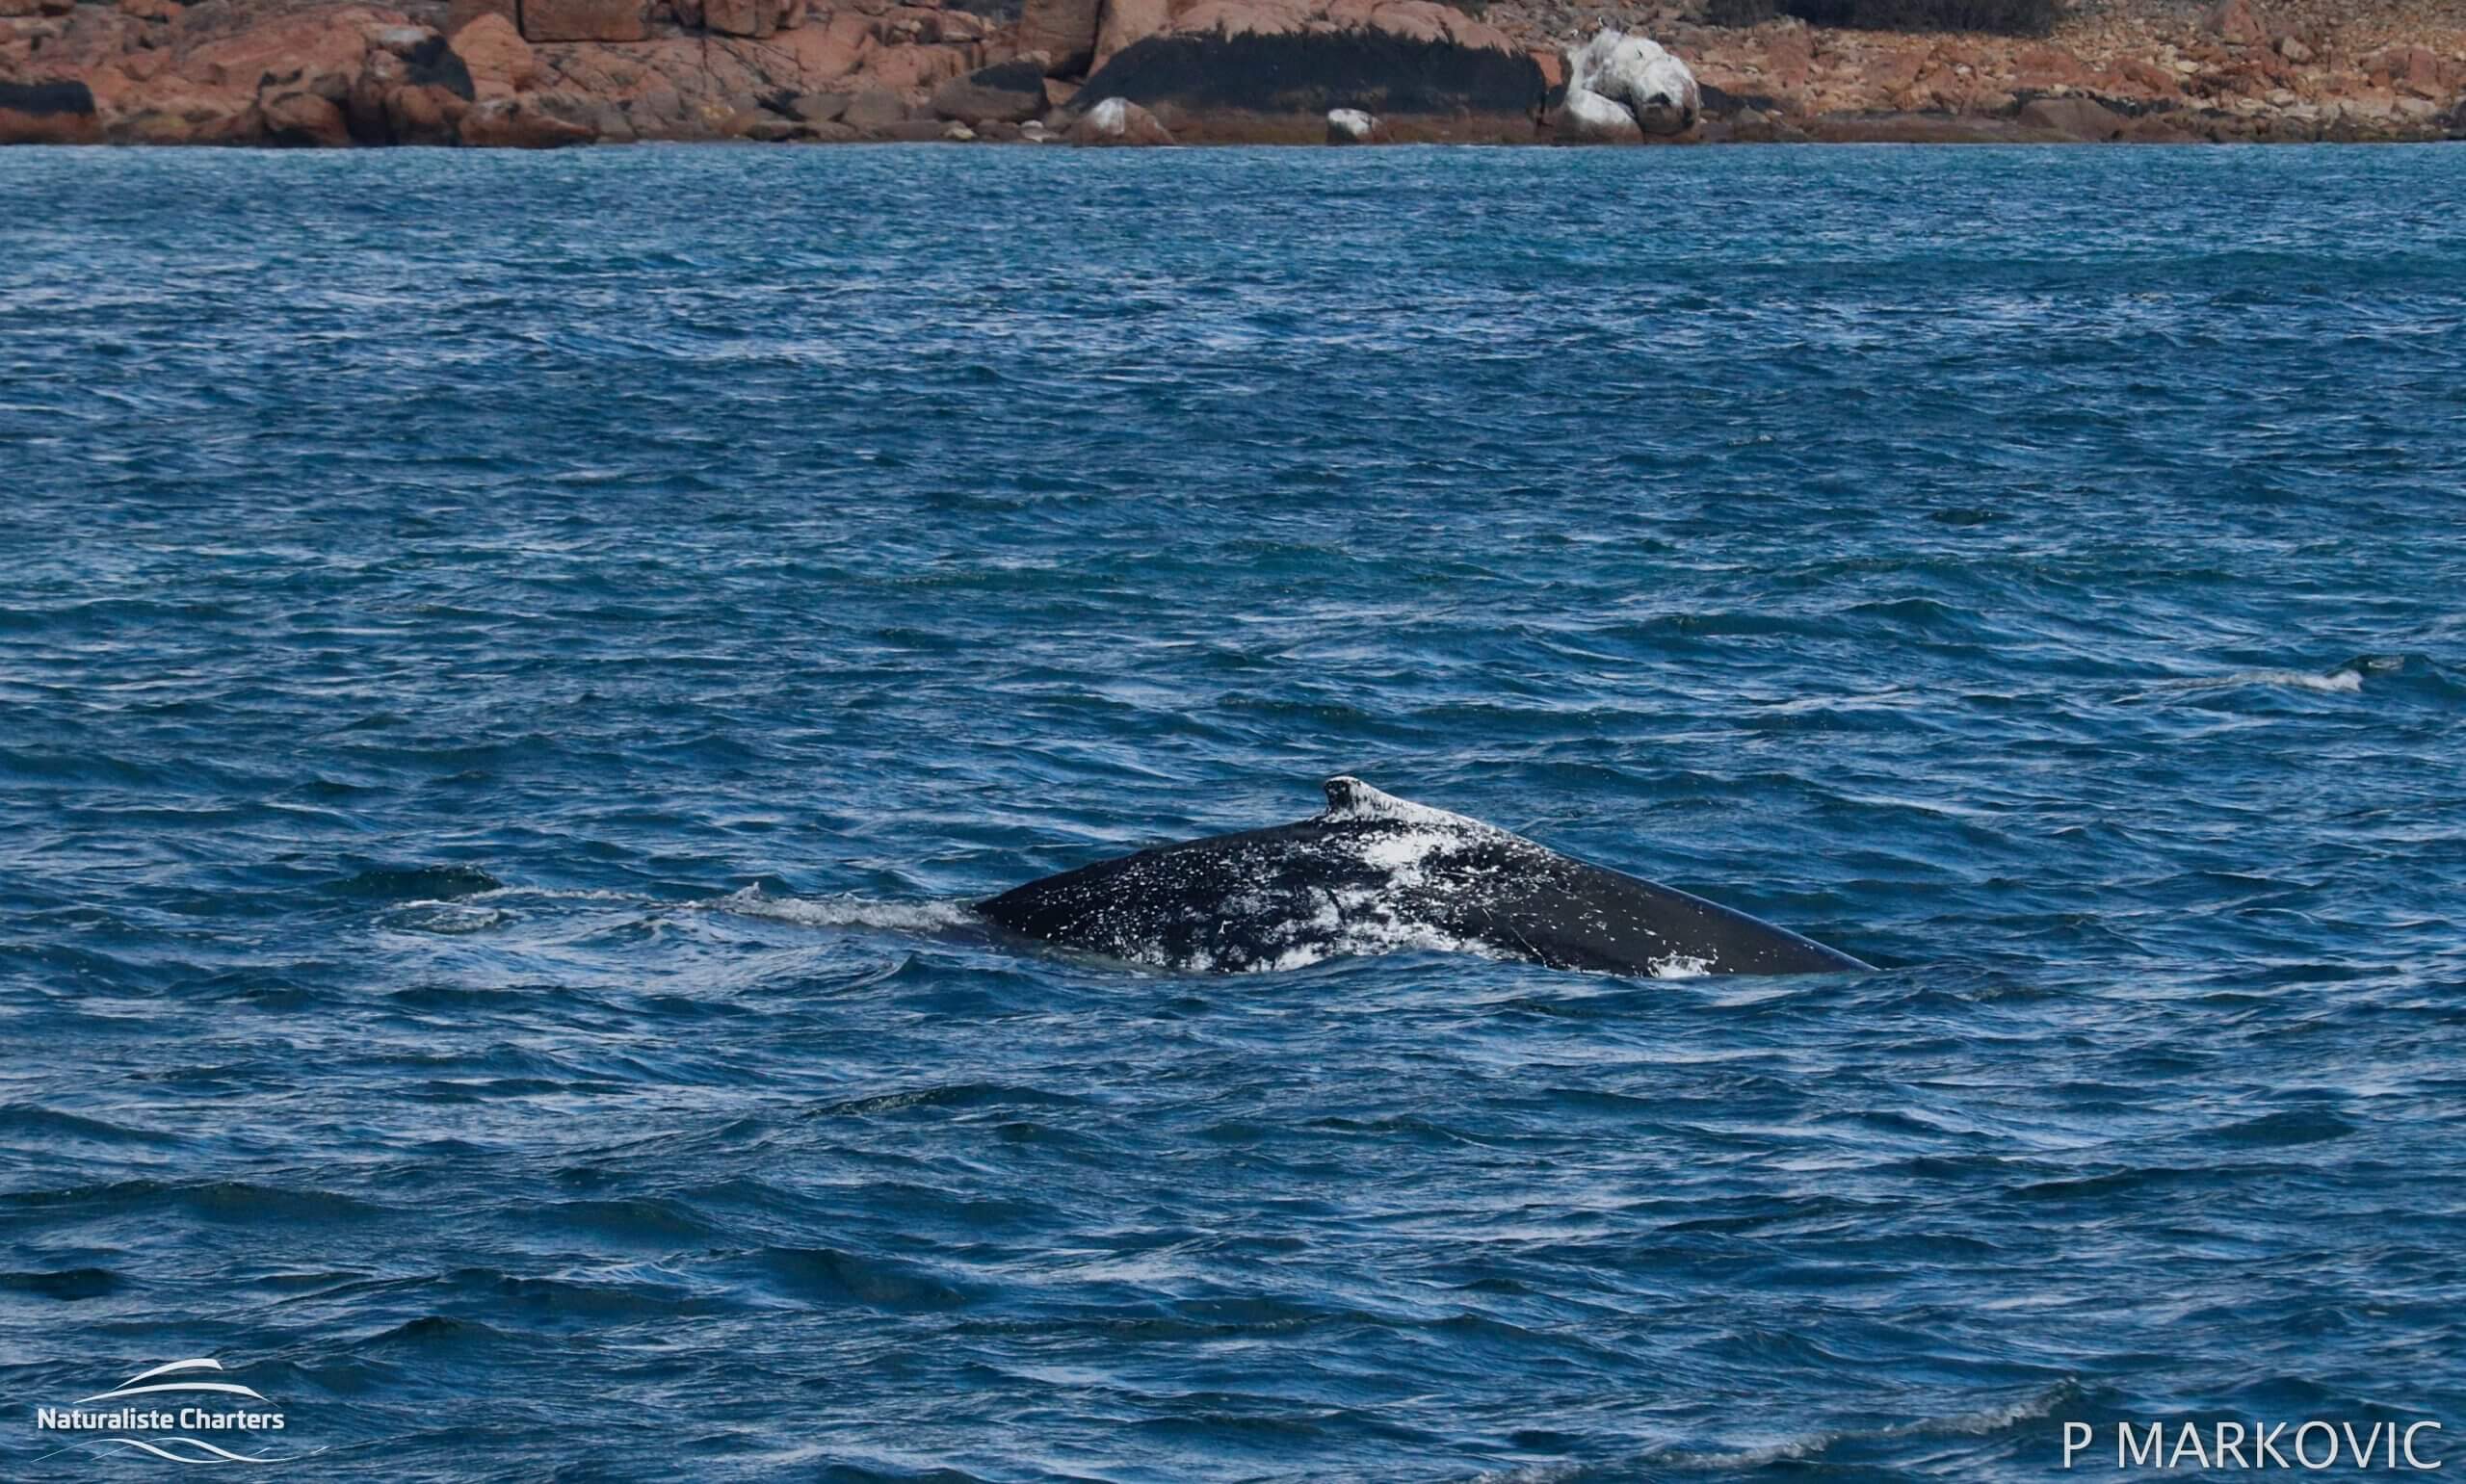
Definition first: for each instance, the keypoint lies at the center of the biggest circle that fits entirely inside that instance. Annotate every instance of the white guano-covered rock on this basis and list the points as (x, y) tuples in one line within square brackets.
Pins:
[(1350, 127), (1657, 91), (1119, 121), (1587, 117)]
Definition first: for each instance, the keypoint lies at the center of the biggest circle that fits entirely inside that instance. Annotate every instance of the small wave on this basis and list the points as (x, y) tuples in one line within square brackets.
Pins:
[(1983, 1423), (449, 919), (68, 1284), (2344, 680)]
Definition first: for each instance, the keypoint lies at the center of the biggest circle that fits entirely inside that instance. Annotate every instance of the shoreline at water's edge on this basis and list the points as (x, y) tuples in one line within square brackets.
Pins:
[(543, 74)]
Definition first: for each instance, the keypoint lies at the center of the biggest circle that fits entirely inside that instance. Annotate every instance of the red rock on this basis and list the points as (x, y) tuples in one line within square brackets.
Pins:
[(2418, 72), (2233, 20), (1127, 22), (460, 13), (314, 51), (2040, 68), (1465, 30), (423, 115), (756, 18), (904, 67), (1789, 56), (1419, 20), (584, 21), (2151, 78), (1063, 29), (1554, 68), (498, 58), (305, 119), (827, 51)]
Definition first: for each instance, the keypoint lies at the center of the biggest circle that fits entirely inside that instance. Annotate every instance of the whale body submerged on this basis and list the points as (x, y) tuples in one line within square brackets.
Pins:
[(1375, 873)]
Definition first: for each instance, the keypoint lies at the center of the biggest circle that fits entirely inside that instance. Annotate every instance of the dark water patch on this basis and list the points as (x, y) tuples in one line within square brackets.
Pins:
[(67, 1285), (416, 883), (832, 1276)]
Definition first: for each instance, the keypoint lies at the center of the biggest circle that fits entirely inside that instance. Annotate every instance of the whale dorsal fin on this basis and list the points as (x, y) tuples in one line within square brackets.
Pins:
[(1348, 795), (1351, 799)]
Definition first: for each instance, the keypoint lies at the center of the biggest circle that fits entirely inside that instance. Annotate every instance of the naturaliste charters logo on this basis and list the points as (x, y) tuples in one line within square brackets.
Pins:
[(163, 1411)]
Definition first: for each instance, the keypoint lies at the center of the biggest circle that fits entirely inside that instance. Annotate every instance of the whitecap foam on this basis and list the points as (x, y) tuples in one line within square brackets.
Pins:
[(2335, 683), (921, 917)]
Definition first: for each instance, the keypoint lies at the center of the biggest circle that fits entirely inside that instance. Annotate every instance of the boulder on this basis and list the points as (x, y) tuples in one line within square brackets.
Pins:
[(1063, 29), (518, 123), (59, 112), (584, 21), (872, 109), (1587, 117), (820, 106), (763, 127), (1119, 121), (1350, 127), (755, 18), (1655, 88), (498, 60), (907, 68), (1124, 23), (2073, 118), (2233, 20), (460, 13), (305, 118), (1012, 92), (2292, 49)]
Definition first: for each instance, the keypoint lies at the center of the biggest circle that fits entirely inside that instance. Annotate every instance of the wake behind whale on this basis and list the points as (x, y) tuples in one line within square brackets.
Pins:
[(1375, 873)]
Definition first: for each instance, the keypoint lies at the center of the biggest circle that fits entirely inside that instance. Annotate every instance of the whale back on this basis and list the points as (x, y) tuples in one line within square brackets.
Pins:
[(1375, 873)]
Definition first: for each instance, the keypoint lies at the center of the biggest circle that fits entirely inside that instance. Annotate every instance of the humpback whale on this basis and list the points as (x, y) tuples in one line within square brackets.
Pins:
[(1375, 874)]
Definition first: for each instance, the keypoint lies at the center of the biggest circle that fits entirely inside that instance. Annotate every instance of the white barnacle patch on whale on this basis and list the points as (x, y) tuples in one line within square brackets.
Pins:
[(1375, 874)]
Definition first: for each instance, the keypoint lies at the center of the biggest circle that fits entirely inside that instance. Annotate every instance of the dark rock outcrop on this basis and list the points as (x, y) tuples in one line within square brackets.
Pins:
[(1012, 92), (2072, 118), (48, 113), (1216, 85), (584, 21)]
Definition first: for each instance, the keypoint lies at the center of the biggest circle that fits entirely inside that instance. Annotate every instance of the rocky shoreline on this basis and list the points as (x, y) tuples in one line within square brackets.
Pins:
[(540, 73)]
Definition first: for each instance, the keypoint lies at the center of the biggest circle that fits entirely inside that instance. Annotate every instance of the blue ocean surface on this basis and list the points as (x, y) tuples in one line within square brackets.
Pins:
[(511, 668)]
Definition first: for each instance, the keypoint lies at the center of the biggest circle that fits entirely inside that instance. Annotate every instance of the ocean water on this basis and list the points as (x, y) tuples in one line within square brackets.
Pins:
[(510, 667)]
